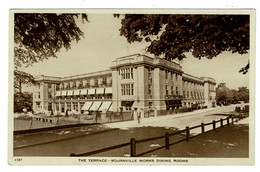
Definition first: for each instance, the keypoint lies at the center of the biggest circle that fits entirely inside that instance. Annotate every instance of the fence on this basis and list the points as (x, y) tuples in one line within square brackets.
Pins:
[(133, 142)]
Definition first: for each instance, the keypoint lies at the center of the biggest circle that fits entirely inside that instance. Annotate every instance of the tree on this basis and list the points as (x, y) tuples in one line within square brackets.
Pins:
[(171, 36), (39, 36), (22, 100), (243, 94), (225, 95), (222, 95), (22, 78)]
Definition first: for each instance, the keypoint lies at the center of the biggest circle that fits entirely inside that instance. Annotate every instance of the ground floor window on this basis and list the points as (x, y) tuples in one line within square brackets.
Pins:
[(127, 105), (75, 106), (68, 106), (62, 107), (49, 106)]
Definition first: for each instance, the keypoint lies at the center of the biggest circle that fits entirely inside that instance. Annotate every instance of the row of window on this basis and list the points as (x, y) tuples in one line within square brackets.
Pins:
[(127, 89), (127, 73), (84, 83), (69, 107), (172, 75), (193, 86), (188, 103), (172, 91), (37, 95), (212, 87), (89, 97), (193, 94)]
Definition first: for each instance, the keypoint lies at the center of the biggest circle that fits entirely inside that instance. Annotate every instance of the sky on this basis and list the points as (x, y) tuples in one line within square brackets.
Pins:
[(102, 43)]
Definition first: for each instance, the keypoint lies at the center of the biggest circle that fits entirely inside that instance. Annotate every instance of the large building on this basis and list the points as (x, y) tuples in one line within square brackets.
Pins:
[(135, 83)]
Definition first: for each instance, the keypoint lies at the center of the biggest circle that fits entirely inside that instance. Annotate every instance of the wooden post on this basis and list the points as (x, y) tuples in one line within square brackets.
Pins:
[(133, 147), (221, 122), (202, 128), (228, 121), (187, 134), (214, 124), (167, 144), (232, 120)]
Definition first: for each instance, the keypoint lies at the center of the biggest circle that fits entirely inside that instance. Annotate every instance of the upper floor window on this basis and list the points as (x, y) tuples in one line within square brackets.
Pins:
[(57, 87), (38, 85), (127, 89), (166, 74), (104, 81), (150, 89), (132, 72), (37, 95), (96, 82), (127, 73)]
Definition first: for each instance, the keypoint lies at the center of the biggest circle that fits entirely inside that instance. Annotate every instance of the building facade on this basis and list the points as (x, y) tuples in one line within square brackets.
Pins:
[(133, 83)]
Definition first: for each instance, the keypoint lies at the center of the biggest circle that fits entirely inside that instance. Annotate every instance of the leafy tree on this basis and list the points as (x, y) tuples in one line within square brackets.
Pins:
[(22, 78), (174, 35), (222, 95), (234, 97), (225, 95), (22, 100), (38, 36), (243, 94)]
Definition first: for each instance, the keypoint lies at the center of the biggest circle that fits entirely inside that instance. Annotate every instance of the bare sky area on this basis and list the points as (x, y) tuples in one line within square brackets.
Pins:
[(102, 44)]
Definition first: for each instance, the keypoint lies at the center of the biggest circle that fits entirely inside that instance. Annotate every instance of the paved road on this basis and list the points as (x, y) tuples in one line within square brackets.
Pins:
[(180, 121), (151, 127)]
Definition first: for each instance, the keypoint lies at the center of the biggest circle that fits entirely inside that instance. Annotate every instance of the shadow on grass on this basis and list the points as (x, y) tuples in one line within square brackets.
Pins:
[(226, 142)]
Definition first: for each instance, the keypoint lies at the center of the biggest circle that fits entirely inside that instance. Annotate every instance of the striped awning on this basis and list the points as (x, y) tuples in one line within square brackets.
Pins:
[(91, 91), (95, 106), (58, 93), (70, 93), (108, 90), (86, 106), (83, 92), (76, 92), (63, 93), (105, 106), (100, 90)]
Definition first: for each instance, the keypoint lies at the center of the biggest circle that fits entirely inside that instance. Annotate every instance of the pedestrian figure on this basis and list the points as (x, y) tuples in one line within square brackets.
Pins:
[(139, 117), (31, 124), (109, 115)]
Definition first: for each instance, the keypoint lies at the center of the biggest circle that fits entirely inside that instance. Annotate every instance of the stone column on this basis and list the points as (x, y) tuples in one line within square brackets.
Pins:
[(65, 107), (116, 90), (79, 108), (159, 91)]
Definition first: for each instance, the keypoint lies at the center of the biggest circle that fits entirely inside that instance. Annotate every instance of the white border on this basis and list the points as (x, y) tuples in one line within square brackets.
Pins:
[(5, 6)]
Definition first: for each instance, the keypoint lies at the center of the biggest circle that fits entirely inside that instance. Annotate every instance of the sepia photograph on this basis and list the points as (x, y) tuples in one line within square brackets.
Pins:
[(131, 87)]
